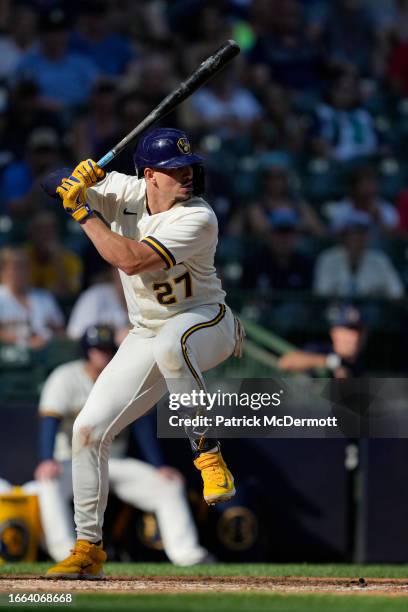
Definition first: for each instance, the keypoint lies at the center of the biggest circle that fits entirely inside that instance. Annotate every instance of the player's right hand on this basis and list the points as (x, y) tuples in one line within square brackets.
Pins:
[(48, 470)]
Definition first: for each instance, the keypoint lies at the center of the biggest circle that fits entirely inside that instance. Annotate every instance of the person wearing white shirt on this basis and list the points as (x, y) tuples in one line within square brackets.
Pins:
[(28, 316), (102, 303), (352, 269), (365, 197)]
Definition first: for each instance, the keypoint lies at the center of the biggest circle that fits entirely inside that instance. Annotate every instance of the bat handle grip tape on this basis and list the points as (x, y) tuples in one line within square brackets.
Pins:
[(104, 161)]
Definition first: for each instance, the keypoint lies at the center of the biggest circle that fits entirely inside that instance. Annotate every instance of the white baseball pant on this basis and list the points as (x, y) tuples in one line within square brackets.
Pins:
[(144, 367), (136, 483)]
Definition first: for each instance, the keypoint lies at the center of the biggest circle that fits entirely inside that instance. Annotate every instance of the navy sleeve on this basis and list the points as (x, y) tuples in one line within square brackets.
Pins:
[(48, 430), (143, 432)]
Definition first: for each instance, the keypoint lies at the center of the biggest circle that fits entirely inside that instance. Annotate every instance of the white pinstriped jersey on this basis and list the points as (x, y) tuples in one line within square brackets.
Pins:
[(185, 237)]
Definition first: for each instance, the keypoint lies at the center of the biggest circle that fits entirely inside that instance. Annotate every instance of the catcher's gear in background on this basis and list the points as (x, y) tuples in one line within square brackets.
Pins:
[(168, 148), (73, 189), (99, 336)]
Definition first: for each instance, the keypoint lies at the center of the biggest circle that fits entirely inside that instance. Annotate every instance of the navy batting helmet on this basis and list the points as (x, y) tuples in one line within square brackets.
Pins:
[(168, 148), (99, 336), (346, 315)]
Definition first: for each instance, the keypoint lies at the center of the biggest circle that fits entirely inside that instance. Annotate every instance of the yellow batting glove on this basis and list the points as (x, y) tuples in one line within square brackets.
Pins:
[(72, 192), (88, 173)]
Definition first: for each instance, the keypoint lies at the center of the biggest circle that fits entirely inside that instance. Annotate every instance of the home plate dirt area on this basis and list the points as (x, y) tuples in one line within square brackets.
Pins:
[(191, 584)]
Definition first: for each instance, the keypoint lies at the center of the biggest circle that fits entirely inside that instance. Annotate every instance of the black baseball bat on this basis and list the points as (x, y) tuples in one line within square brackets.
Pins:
[(204, 72)]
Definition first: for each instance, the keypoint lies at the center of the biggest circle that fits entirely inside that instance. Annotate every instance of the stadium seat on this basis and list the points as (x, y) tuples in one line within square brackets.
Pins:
[(322, 180), (393, 177)]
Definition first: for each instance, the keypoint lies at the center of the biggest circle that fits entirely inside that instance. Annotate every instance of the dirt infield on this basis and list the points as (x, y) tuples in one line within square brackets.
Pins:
[(192, 584)]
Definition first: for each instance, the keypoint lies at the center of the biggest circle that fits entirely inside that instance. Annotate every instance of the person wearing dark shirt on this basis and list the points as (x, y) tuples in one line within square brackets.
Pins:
[(64, 78), (342, 356), (278, 264), (292, 60), (109, 51)]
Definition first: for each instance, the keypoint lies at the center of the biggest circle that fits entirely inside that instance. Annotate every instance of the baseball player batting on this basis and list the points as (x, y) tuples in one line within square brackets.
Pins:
[(135, 482), (162, 235)]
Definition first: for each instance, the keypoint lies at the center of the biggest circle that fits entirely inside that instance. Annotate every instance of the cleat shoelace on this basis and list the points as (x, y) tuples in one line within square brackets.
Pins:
[(216, 475)]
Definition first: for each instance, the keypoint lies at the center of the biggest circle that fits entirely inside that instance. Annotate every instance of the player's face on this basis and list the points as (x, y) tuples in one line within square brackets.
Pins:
[(15, 272), (99, 358), (346, 341), (176, 183)]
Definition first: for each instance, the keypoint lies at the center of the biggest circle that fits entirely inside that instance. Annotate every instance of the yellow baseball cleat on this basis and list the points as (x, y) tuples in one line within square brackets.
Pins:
[(84, 563), (218, 480)]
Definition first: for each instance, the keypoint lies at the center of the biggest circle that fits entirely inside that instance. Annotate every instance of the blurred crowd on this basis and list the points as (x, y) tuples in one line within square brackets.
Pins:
[(304, 139)]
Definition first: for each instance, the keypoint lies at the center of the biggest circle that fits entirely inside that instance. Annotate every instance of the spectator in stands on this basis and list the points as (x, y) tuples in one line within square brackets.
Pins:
[(65, 79), (260, 18), (281, 128), (341, 128), (397, 68), (131, 108), (102, 304), (110, 51), (52, 266), (402, 207), (365, 196), (278, 264), (342, 356), (292, 61), (18, 40), (277, 193), (28, 316), (392, 17), (183, 17), (25, 113), (20, 180), (6, 147), (349, 30), (211, 31), (99, 122), (225, 107), (155, 77), (351, 269), (395, 28), (146, 22)]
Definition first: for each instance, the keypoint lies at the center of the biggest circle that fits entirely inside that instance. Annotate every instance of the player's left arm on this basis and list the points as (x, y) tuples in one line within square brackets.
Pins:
[(53, 405), (47, 468)]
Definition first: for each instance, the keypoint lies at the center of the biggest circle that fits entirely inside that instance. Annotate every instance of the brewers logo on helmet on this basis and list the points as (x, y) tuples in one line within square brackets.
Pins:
[(184, 145)]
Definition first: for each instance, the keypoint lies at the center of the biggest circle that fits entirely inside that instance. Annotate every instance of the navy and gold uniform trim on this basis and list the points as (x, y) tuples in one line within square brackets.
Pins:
[(50, 413), (166, 255), (190, 331)]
